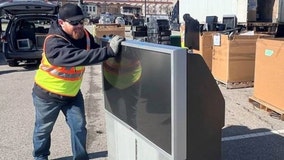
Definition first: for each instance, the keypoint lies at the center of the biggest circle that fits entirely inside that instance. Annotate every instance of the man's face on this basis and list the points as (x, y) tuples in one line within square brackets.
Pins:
[(75, 29)]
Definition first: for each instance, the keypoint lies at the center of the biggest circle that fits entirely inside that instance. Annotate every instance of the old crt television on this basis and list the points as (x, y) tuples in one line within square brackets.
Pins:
[(148, 112), (23, 43), (211, 22), (157, 118), (230, 21)]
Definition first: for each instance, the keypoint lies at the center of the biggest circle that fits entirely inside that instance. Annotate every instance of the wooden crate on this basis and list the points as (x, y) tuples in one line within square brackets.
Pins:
[(101, 30), (272, 110), (233, 59), (206, 47), (269, 73)]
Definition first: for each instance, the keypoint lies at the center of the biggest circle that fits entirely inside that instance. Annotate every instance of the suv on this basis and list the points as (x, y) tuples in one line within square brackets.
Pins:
[(24, 26)]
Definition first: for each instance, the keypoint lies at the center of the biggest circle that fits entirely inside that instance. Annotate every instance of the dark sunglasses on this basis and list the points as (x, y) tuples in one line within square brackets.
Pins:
[(75, 23)]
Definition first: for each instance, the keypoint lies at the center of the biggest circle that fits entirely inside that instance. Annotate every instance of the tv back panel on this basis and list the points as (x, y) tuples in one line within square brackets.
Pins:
[(211, 22)]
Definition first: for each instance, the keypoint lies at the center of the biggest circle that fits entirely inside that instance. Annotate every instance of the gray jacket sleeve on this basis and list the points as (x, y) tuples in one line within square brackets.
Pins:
[(60, 52)]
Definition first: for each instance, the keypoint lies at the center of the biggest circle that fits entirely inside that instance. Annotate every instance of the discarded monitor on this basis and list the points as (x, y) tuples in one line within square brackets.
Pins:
[(161, 103), (230, 21)]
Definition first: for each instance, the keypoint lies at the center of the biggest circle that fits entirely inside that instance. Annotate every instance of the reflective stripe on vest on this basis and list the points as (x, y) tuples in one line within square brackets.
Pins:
[(66, 73), (64, 81), (122, 73)]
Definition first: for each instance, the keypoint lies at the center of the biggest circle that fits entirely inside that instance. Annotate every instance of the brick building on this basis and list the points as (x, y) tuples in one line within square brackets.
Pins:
[(94, 8)]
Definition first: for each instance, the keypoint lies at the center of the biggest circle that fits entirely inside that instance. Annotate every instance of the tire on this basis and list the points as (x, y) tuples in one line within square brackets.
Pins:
[(31, 66), (13, 63)]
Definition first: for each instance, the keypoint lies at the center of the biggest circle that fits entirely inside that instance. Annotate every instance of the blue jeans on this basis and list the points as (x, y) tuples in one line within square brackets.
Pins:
[(46, 113)]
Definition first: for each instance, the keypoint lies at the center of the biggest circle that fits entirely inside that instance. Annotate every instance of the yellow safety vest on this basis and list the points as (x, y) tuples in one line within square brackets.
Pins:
[(65, 81), (122, 73)]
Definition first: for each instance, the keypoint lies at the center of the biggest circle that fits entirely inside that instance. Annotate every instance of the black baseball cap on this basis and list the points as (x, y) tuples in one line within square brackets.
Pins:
[(70, 11)]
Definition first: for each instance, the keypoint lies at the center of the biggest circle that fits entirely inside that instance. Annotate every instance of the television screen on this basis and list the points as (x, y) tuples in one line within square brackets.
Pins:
[(230, 21), (138, 89), (23, 44)]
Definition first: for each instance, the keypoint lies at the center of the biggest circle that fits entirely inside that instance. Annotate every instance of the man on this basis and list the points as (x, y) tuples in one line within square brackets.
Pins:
[(67, 49)]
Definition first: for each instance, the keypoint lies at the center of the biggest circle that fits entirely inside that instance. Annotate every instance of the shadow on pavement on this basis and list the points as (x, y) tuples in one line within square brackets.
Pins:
[(24, 69), (243, 143), (9, 71), (91, 156)]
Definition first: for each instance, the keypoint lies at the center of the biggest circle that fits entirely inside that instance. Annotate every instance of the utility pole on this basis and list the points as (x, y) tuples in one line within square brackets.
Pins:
[(145, 10)]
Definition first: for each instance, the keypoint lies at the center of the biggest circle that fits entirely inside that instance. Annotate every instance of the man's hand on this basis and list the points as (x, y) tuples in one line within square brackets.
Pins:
[(115, 43)]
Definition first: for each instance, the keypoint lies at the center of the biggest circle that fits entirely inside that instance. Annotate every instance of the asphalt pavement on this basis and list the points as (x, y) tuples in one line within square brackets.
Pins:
[(249, 133)]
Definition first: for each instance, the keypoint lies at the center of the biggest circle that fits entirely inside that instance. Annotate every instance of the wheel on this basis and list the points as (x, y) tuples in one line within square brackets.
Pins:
[(13, 63), (31, 66)]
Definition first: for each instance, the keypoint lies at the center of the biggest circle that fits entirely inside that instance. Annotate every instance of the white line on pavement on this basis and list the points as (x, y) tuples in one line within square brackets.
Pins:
[(252, 135)]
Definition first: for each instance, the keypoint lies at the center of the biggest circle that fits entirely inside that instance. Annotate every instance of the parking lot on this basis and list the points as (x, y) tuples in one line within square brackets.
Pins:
[(249, 133)]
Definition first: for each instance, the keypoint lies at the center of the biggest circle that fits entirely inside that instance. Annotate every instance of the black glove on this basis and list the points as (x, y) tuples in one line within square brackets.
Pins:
[(115, 43)]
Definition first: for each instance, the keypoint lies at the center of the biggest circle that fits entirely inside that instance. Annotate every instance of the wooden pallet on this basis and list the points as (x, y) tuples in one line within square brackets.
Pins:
[(235, 85), (272, 110)]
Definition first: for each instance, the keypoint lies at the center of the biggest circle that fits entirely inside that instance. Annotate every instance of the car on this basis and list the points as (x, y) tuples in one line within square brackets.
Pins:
[(24, 26)]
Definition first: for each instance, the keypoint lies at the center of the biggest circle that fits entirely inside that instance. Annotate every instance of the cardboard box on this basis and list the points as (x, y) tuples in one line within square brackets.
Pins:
[(269, 72), (233, 59), (101, 30), (206, 48)]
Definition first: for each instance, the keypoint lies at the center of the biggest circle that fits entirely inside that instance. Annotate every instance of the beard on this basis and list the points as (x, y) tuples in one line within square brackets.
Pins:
[(78, 33)]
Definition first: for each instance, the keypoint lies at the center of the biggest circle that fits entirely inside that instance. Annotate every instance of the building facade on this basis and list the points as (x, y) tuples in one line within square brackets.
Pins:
[(93, 8)]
